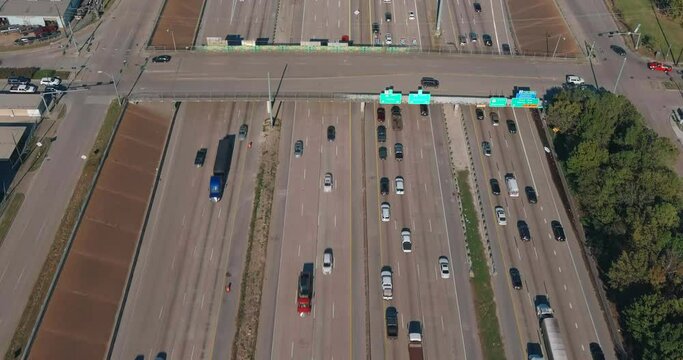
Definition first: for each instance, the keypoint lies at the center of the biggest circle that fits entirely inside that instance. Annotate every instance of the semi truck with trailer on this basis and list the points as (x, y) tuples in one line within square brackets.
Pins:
[(415, 340), (550, 330), (221, 167), (304, 293)]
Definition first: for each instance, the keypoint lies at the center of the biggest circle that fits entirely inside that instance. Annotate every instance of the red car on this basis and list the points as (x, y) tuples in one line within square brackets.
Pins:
[(654, 65)]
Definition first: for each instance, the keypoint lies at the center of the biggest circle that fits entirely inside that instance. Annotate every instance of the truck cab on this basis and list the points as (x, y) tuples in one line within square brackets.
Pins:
[(305, 290)]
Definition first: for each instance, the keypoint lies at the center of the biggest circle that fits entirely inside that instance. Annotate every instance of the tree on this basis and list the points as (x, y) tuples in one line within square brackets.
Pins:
[(655, 323)]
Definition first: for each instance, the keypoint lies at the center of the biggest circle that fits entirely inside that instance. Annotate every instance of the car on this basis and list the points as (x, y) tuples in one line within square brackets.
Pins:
[(391, 315), (480, 114), (473, 37), (618, 50), (424, 110), (384, 185), (382, 153), (161, 356), (500, 215), (477, 7), (400, 189), (486, 148), (523, 229), (50, 81), (328, 182), (331, 133), (657, 66), (328, 261), (57, 89), (406, 242), (298, 148), (244, 129), (398, 151), (25, 88), (596, 351), (381, 114), (488, 41), (387, 38), (381, 133), (506, 49), (575, 80), (375, 28), (444, 268), (200, 157), (494, 118), (495, 186), (516, 278), (558, 230), (462, 39), (161, 59), (531, 194), (512, 127), (411, 15), (385, 210), (18, 80), (429, 82), (387, 16)]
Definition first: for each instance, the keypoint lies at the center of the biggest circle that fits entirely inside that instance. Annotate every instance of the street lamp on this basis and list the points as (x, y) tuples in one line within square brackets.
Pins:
[(559, 37), (173, 38), (114, 81)]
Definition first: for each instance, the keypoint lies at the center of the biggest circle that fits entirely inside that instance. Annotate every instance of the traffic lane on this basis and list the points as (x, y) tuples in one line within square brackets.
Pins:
[(500, 15), (289, 32), (454, 26)]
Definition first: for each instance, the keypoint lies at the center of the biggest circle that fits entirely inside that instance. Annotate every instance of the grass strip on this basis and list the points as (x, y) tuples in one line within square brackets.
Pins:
[(41, 153), (634, 12), (485, 306), (47, 273), (244, 344), (9, 214)]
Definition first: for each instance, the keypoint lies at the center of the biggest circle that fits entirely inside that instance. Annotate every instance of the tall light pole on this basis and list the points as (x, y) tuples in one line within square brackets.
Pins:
[(114, 81), (559, 37), (619, 77), (173, 38)]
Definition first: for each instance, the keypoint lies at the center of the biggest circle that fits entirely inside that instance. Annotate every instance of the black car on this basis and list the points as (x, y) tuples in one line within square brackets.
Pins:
[(487, 40), (429, 82), (596, 351), (495, 186), (523, 228), (531, 194), (384, 186), (516, 278), (161, 59), (480, 114), (18, 80), (331, 133), (477, 7), (512, 127), (424, 110), (375, 28), (398, 151), (381, 133), (161, 356), (391, 316), (244, 129), (558, 230), (506, 49), (387, 16), (618, 50), (382, 153), (381, 114), (200, 157)]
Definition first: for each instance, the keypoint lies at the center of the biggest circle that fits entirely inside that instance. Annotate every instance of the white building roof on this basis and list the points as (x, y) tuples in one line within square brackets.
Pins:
[(34, 7)]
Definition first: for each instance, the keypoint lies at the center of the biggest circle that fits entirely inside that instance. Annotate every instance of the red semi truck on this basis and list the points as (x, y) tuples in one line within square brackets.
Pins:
[(304, 295)]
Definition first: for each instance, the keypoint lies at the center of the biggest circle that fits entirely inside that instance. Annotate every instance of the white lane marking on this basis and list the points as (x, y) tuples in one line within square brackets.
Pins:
[(192, 354), (183, 223), (576, 325), (398, 268), (211, 256), (425, 184), (201, 306), (3, 273), (418, 271), (219, 212), (559, 269), (161, 311), (291, 352), (430, 225), (184, 297), (333, 310), (421, 155), (335, 221), (536, 253), (336, 150), (519, 255), (443, 327), (194, 252), (173, 263), (298, 251), (321, 150), (302, 209), (571, 306), (565, 287)]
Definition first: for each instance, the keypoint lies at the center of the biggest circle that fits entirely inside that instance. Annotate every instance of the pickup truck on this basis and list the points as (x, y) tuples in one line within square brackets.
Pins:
[(387, 283)]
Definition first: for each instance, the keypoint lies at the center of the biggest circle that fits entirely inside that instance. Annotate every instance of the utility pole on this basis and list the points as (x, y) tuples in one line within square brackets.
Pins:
[(619, 77), (559, 37), (439, 8), (547, 45), (269, 106), (113, 81), (172, 38)]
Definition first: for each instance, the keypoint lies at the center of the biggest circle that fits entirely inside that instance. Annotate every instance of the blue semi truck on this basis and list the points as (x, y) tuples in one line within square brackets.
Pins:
[(221, 167)]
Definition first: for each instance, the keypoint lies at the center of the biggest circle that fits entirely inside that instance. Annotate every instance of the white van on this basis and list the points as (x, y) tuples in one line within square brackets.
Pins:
[(511, 183)]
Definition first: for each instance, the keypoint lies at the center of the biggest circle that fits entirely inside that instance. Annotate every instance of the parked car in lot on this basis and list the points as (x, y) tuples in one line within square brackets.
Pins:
[(381, 114), (399, 185), (495, 186), (384, 185), (18, 80), (523, 229), (406, 242), (486, 148), (50, 81), (515, 278), (558, 230), (500, 215), (200, 157), (657, 66), (382, 153), (23, 89), (161, 59), (298, 148), (444, 267), (244, 129), (531, 194), (328, 261), (328, 182)]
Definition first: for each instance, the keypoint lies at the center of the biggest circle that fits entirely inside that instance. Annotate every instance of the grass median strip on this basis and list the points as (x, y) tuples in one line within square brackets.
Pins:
[(42, 285), (244, 344), (9, 214), (485, 306)]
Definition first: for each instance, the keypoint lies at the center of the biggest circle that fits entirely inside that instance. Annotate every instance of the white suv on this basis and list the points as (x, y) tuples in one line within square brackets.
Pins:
[(50, 81), (406, 243), (575, 80), (328, 182), (385, 210), (500, 215), (400, 190)]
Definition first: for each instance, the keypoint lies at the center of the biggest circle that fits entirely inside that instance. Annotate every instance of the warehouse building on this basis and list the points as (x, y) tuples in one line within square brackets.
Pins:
[(38, 12), (13, 143), (22, 107)]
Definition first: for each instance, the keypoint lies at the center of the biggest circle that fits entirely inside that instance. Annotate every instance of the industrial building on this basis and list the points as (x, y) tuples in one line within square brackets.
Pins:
[(13, 142), (20, 108), (38, 12)]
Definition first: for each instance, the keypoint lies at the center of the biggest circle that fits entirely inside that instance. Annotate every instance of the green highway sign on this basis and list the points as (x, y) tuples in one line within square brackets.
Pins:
[(524, 102), (498, 102), (389, 97), (419, 98)]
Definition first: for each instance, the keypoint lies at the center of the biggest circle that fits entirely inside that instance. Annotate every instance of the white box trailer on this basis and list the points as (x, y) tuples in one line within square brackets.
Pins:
[(511, 182)]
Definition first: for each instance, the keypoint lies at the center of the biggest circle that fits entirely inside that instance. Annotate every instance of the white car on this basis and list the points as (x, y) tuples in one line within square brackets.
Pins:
[(411, 15), (385, 210), (444, 268), (406, 242), (575, 80), (328, 261), (500, 215), (400, 190), (50, 81), (328, 182), (387, 38), (27, 88)]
